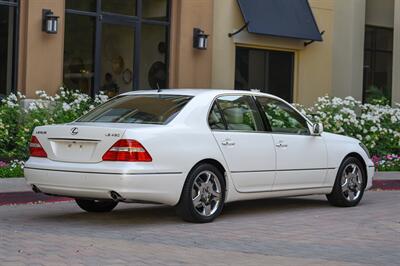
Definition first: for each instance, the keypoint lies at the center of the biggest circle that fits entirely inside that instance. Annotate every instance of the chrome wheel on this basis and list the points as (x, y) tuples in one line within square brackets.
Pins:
[(352, 182), (206, 193)]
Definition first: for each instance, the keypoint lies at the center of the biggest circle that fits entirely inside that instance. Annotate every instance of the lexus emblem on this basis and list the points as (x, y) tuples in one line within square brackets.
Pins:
[(74, 131)]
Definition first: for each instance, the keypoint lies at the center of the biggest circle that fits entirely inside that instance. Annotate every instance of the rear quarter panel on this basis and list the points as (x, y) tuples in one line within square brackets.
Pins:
[(180, 145)]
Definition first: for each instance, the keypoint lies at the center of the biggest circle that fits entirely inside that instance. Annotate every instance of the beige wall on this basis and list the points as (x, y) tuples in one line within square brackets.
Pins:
[(41, 54), (379, 13), (313, 63), (348, 48), (190, 68)]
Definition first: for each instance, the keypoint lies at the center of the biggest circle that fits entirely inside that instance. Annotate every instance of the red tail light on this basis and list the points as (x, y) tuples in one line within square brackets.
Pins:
[(36, 149), (127, 150)]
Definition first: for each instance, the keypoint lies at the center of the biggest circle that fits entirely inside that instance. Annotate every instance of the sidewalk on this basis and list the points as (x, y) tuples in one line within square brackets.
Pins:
[(13, 185)]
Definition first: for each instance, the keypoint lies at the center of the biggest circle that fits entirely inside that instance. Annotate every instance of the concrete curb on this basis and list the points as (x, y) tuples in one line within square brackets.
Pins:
[(387, 176), (388, 184)]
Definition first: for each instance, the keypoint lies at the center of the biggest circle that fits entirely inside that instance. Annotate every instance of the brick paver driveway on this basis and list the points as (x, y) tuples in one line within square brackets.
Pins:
[(292, 231)]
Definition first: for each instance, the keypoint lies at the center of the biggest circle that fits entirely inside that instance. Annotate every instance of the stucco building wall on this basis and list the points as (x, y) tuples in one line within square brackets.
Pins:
[(334, 66), (41, 54)]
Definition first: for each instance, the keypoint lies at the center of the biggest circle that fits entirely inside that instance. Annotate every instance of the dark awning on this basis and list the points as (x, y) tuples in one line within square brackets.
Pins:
[(282, 18)]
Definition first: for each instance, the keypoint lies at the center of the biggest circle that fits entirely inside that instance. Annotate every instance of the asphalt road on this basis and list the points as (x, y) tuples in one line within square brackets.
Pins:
[(287, 231)]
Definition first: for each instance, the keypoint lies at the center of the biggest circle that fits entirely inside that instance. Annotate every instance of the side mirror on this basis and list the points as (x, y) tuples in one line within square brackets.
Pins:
[(317, 129)]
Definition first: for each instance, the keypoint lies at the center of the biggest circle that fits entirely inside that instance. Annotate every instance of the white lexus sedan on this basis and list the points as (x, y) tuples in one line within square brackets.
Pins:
[(196, 150)]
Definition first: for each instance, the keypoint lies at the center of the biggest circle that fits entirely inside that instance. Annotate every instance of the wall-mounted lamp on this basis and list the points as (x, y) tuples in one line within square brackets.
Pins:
[(49, 21), (200, 39)]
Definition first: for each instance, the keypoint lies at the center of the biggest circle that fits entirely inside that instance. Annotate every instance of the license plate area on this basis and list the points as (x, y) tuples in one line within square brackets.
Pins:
[(74, 150)]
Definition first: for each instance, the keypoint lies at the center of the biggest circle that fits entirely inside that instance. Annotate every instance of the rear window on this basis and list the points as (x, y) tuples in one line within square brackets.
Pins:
[(138, 109)]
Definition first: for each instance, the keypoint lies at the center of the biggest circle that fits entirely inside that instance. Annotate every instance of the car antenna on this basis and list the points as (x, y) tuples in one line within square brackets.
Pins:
[(158, 88)]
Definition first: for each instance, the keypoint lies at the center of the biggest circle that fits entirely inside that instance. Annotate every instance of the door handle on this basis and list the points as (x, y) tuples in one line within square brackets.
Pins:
[(228, 143), (281, 145)]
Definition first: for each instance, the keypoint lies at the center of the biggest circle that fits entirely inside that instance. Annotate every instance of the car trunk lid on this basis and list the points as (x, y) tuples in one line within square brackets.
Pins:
[(79, 143)]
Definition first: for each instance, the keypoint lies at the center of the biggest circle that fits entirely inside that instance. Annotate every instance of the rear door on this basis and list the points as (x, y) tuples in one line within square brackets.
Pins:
[(301, 159), (248, 149)]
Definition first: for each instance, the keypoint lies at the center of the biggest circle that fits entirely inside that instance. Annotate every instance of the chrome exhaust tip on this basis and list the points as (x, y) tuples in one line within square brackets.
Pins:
[(115, 196), (36, 189)]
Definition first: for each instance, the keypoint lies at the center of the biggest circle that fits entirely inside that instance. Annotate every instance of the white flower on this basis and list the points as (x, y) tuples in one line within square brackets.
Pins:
[(66, 107), (338, 117), (11, 104), (32, 106), (12, 97)]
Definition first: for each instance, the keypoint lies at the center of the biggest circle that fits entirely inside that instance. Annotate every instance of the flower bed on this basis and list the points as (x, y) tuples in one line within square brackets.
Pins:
[(390, 163), (12, 169), (377, 126)]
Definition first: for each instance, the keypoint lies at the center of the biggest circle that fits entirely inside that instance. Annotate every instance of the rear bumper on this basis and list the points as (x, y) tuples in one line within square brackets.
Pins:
[(165, 187)]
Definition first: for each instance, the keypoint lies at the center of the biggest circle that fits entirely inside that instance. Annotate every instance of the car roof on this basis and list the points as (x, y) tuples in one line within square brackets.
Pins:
[(196, 92)]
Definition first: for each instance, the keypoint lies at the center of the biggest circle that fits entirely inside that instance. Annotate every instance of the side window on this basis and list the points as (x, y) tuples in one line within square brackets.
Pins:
[(240, 113), (215, 118), (282, 117)]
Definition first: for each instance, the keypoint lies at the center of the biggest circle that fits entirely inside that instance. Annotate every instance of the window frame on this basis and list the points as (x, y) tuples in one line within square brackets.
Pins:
[(307, 121), (14, 77), (264, 126), (265, 51), (136, 22), (373, 50)]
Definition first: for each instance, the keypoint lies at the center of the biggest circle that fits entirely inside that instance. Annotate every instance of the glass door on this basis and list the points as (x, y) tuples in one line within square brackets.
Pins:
[(266, 70), (116, 57), (116, 46)]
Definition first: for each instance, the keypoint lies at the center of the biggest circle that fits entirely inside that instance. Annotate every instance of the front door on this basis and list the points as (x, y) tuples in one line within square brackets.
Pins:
[(301, 159), (248, 150)]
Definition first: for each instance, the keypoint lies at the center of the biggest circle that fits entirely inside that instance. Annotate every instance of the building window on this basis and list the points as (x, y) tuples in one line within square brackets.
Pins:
[(8, 44), (116, 47), (378, 64), (79, 56), (268, 71)]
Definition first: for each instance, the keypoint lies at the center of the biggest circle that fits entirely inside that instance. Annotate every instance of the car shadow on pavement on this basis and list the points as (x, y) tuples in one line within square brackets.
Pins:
[(273, 205), (140, 214)]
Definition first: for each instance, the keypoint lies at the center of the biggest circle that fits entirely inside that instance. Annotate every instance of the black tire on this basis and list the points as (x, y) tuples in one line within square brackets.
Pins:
[(340, 198), (186, 207), (96, 205)]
